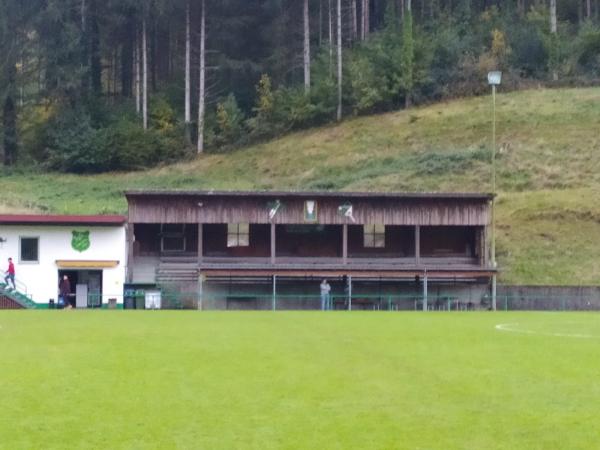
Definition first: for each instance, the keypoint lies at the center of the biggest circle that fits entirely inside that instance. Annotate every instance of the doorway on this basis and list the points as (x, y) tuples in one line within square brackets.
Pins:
[(86, 287)]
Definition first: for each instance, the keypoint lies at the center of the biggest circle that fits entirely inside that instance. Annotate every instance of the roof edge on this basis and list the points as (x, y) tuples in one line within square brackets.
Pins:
[(54, 219), (316, 194)]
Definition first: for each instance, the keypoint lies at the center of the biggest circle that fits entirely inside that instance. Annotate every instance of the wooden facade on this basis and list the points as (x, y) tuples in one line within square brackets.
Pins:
[(316, 233), (254, 207)]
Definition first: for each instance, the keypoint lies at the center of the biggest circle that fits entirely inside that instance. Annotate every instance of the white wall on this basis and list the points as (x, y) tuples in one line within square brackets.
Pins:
[(41, 279)]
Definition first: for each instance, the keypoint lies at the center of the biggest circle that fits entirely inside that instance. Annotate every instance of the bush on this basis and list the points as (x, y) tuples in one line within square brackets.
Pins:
[(131, 147), (529, 55), (73, 144), (368, 89), (587, 50), (161, 114), (229, 122)]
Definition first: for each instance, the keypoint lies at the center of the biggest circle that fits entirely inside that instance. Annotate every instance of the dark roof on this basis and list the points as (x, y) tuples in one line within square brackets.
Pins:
[(312, 194), (39, 219)]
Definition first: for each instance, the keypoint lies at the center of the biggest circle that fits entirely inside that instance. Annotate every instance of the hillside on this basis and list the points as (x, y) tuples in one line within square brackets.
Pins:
[(548, 173)]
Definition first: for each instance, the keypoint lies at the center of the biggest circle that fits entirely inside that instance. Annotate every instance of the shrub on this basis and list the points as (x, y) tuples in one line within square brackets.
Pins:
[(229, 122), (73, 144)]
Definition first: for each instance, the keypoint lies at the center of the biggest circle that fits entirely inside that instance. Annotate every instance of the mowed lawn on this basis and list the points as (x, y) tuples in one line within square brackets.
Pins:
[(260, 380)]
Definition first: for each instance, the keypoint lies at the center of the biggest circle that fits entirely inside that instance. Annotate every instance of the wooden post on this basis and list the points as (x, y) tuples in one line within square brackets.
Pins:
[(274, 299), (494, 292), (350, 292), (486, 250), (200, 243), (273, 244), (200, 290), (199, 259), (345, 243), (130, 238), (425, 287), (418, 245)]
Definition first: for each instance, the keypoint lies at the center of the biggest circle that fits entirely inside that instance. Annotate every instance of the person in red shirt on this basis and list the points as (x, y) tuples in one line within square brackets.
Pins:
[(10, 274)]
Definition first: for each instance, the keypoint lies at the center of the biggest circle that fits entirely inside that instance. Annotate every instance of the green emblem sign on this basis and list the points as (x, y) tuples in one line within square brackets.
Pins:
[(80, 240)]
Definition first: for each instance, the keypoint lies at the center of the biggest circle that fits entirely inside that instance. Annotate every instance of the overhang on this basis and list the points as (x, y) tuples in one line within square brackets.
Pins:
[(87, 264)]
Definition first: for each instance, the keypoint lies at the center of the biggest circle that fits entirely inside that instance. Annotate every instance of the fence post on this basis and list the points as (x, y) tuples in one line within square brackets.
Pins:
[(200, 291), (350, 292), (494, 292), (274, 299), (425, 292)]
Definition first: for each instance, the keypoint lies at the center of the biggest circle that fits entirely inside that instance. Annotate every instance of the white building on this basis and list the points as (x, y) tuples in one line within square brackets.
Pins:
[(90, 250)]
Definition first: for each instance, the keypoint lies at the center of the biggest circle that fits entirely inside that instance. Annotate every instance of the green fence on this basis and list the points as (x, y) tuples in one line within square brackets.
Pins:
[(401, 302), (405, 302), (547, 303)]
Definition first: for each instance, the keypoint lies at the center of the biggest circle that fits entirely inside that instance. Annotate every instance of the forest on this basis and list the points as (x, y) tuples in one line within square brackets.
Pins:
[(90, 86)]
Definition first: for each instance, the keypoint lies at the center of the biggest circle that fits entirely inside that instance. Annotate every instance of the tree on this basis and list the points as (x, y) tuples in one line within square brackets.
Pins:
[(408, 56), (144, 74), (554, 39), (365, 19), (202, 85), (306, 47), (188, 75), (9, 120), (330, 21), (95, 60), (354, 12), (138, 75), (339, 59)]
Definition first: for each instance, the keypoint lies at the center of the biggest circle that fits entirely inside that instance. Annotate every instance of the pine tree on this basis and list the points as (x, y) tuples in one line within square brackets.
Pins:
[(306, 53), (408, 57), (202, 84), (188, 75)]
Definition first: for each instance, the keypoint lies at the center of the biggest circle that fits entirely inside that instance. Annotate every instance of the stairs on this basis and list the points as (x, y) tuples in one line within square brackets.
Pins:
[(176, 275), (10, 299), (177, 270)]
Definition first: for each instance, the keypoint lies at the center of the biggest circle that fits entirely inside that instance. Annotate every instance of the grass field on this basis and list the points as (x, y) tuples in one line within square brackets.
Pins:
[(548, 172), (162, 380)]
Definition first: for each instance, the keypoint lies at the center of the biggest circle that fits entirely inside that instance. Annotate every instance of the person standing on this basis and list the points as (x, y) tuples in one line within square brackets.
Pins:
[(64, 288), (325, 295), (10, 275)]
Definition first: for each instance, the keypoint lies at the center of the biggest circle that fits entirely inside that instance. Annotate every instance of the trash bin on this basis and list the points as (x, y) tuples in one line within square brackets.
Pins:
[(140, 302), (51, 304), (112, 303), (129, 303)]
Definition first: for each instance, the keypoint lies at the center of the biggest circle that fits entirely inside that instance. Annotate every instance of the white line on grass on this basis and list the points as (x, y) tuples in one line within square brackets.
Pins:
[(510, 327)]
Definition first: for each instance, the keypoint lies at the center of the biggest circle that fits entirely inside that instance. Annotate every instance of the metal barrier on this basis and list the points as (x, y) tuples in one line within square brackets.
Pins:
[(547, 303), (405, 302), (339, 302)]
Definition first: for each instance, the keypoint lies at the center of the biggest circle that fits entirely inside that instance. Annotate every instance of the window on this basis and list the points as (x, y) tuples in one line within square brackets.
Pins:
[(173, 238), (238, 235), (374, 236), (29, 249)]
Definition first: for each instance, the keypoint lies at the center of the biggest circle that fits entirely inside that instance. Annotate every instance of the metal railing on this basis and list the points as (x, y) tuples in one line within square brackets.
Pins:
[(339, 302), (19, 286)]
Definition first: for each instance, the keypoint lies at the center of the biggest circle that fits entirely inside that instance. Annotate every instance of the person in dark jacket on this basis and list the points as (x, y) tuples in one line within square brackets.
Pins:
[(64, 288)]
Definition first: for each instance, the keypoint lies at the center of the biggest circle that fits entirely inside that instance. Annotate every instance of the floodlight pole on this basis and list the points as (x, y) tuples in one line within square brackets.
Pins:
[(494, 265)]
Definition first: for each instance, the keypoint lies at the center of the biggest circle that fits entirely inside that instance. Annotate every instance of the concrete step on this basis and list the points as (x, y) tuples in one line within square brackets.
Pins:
[(179, 259)]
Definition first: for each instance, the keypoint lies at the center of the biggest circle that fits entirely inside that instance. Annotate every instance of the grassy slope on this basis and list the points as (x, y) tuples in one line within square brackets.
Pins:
[(548, 173), (161, 380)]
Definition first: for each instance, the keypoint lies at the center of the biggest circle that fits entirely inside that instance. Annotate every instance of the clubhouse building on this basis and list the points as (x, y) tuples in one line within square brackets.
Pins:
[(263, 250), (259, 250), (89, 250)]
